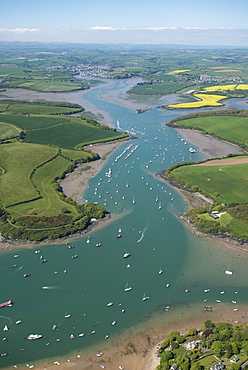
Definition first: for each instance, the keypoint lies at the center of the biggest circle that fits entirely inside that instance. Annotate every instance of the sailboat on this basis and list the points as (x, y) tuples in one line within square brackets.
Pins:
[(127, 288), (145, 297)]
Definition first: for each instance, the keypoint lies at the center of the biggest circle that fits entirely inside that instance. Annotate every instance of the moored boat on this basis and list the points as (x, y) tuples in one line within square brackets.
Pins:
[(126, 255), (6, 304), (34, 336)]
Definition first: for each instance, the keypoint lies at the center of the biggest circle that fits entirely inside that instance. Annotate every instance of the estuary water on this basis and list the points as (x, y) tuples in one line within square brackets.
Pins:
[(78, 303)]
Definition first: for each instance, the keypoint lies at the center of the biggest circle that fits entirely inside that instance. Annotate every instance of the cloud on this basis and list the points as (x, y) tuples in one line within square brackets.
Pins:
[(19, 30)]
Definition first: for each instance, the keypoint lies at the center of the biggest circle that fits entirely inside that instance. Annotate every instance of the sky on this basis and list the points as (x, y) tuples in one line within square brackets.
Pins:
[(191, 22)]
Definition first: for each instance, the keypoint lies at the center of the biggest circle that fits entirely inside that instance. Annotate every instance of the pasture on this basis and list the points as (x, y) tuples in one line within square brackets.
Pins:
[(32, 108), (229, 128), (228, 183), (29, 172), (8, 131)]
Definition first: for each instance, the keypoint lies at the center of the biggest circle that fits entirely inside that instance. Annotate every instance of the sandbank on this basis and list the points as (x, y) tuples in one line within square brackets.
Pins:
[(138, 348)]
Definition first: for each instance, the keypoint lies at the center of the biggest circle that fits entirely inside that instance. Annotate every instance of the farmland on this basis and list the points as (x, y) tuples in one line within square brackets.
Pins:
[(205, 100), (231, 127), (37, 150)]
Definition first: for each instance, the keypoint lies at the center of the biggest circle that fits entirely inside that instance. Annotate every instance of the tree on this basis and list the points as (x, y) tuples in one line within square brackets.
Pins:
[(217, 347)]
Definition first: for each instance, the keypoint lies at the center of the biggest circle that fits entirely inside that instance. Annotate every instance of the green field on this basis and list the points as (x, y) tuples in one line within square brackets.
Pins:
[(229, 128), (18, 160), (229, 181), (32, 108), (8, 131)]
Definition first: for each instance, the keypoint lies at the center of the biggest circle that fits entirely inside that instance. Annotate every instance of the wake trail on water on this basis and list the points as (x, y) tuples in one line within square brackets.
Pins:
[(56, 287), (142, 232), (8, 318)]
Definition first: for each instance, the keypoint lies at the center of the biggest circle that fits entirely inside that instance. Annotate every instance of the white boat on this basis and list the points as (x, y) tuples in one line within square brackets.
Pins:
[(156, 198), (133, 200), (81, 335), (128, 266), (34, 336), (113, 322), (159, 205), (206, 290), (167, 285), (106, 337), (119, 230), (160, 271), (18, 322), (127, 288), (5, 328), (228, 272), (110, 304), (191, 150), (126, 255), (222, 292), (145, 298), (67, 316)]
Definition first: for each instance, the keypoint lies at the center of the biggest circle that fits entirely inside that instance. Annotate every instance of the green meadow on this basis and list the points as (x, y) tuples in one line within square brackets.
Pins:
[(229, 181)]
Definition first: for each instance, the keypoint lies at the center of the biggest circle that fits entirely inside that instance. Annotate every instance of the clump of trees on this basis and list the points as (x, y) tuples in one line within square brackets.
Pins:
[(222, 340)]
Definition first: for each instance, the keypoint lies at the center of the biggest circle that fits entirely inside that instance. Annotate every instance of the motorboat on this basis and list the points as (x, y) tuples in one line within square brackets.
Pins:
[(228, 272), (34, 336), (81, 335), (75, 256), (18, 322), (167, 285), (6, 304), (98, 244), (113, 322), (67, 316), (126, 255), (110, 304), (26, 275), (160, 271), (5, 328)]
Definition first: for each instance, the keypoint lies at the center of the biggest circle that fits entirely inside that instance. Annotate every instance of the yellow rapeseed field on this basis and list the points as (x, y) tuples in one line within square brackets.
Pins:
[(220, 88), (242, 87), (205, 100), (178, 71)]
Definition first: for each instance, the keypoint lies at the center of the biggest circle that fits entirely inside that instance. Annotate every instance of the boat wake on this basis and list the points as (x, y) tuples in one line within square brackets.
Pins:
[(142, 232), (55, 287), (8, 318)]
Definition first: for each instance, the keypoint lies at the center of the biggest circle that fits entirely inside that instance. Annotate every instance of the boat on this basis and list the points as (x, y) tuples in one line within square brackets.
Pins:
[(113, 322), (26, 275), (133, 200), (126, 255), (207, 308), (122, 311), (67, 316), (191, 150), (167, 285), (156, 198), (206, 290), (43, 261), (160, 271), (228, 272), (75, 256), (128, 266), (81, 335), (18, 322), (127, 288), (55, 327), (187, 290), (72, 336), (98, 244), (159, 205), (106, 337), (145, 298), (222, 292), (118, 236), (5, 328), (110, 304), (119, 231), (34, 336), (234, 302), (6, 304)]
